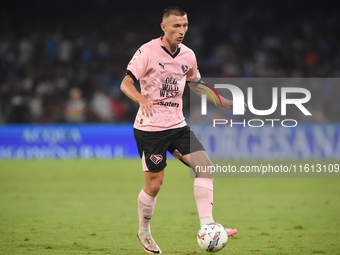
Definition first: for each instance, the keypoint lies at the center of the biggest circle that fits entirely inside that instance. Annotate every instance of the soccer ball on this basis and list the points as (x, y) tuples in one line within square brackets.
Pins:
[(212, 237)]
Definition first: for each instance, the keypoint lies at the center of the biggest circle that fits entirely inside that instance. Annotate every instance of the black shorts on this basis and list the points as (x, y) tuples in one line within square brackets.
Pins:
[(152, 146)]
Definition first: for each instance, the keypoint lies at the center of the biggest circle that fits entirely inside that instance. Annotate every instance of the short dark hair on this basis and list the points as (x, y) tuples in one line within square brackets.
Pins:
[(173, 10)]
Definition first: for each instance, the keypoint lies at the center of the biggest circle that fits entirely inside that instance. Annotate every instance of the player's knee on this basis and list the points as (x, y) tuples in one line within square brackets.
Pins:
[(156, 185), (153, 182)]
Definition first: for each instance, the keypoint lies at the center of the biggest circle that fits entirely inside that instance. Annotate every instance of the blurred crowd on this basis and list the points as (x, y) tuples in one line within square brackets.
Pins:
[(68, 68)]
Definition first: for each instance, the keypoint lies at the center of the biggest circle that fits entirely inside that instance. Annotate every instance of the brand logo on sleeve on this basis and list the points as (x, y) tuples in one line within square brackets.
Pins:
[(132, 60)]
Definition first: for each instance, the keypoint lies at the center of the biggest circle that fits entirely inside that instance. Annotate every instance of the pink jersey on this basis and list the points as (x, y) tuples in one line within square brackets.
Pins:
[(162, 76)]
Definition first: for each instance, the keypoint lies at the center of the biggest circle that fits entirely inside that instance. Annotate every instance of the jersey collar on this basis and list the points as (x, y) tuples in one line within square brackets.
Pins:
[(166, 50)]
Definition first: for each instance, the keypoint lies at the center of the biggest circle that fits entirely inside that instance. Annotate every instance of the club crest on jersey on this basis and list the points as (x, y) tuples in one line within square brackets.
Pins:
[(156, 159), (184, 68)]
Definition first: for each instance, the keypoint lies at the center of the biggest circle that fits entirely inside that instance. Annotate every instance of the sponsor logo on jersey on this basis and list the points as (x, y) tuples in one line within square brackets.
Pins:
[(169, 104)]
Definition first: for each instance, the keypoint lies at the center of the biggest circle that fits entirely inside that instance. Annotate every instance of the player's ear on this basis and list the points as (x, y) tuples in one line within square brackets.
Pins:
[(163, 27)]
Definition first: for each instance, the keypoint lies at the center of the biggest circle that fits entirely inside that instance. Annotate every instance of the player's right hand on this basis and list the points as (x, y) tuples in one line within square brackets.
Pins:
[(147, 107)]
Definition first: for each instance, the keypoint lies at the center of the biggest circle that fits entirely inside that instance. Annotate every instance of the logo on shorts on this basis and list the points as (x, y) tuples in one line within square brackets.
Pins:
[(156, 159)]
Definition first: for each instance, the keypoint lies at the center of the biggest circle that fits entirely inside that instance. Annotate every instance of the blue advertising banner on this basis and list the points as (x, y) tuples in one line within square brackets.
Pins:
[(306, 141), (67, 141)]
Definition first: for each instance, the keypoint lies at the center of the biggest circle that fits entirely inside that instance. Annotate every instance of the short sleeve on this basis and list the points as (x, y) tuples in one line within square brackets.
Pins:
[(194, 73), (138, 64)]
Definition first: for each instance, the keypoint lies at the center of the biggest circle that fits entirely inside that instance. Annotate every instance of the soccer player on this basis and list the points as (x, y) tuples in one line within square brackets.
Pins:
[(163, 67)]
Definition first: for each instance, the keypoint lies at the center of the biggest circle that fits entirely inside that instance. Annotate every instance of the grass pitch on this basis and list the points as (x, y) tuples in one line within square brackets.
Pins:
[(90, 207)]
